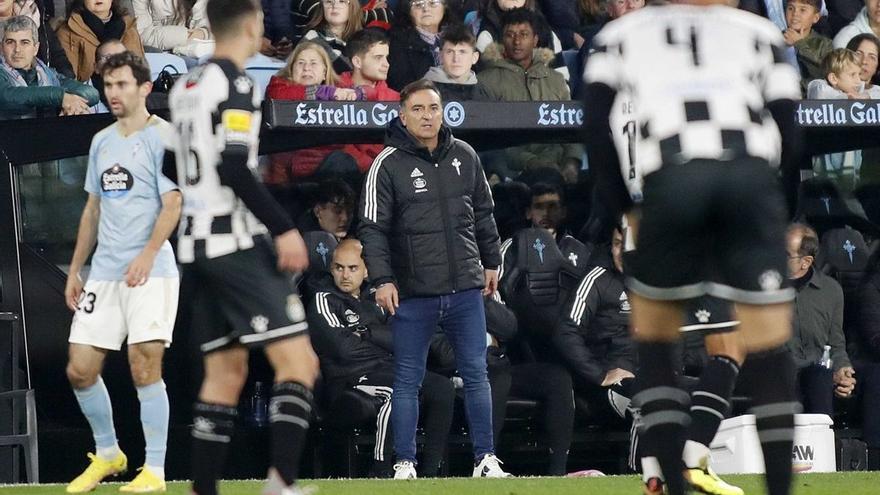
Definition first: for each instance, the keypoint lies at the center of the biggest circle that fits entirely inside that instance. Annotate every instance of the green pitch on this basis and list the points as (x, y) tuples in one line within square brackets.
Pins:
[(857, 483)]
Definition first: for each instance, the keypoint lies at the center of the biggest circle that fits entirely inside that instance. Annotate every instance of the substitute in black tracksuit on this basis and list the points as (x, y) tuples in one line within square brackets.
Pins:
[(350, 333), (431, 245)]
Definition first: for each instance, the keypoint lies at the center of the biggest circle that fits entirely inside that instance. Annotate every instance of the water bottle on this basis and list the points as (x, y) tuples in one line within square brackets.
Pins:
[(825, 362), (259, 406)]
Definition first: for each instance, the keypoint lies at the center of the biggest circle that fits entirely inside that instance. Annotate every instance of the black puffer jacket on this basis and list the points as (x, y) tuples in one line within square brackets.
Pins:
[(426, 218)]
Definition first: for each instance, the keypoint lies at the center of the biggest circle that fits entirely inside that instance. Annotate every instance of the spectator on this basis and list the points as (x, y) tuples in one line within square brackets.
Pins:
[(867, 47), (307, 76), (487, 26), (332, 211), (90, 23), (51, 52), (277, 29), (455, 77), (351, 336), (818, 322), (104, 51), (519, 71), (374, 13), (166, 25), (810, 46), (414, 40), (868, 21), (333, 24), (430, 255), (562, 17), (613, 9), (28, 88), (368, 51), (842, 69)]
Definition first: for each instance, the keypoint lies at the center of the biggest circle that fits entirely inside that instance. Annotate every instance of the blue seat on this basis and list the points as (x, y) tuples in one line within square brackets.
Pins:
[(261, 68)]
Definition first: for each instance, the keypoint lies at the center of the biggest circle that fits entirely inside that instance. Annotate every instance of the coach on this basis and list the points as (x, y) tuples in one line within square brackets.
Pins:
[(431, 245)]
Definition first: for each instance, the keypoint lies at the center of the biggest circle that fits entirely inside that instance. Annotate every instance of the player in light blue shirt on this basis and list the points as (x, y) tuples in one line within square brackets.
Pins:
[(131, 293)]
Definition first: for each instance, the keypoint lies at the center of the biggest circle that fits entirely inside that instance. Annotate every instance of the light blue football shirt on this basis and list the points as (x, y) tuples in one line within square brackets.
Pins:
[(126, 172)]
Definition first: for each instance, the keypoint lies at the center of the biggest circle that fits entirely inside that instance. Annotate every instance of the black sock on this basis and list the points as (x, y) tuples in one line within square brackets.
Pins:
[(771, 375), (663, 411), (213, 427), (710, 402), (289, 413)]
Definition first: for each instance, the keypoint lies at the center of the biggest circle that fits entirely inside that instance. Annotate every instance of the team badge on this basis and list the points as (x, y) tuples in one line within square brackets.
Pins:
[(260, 323), (295, 310), (242, 84), (539, 248), (703, 315), (351, 316), (420, 185)]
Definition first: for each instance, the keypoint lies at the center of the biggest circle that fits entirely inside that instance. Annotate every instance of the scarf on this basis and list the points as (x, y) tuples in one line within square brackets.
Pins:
[(45, 76), (433, 40), (113, 29), (28, 8)]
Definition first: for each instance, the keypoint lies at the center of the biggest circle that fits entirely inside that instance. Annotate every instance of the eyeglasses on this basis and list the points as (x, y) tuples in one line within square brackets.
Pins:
[(331, 3), (423, 4)]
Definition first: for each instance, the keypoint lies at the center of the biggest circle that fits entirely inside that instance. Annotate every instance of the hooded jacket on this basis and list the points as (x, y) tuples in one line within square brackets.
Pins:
[(859, 25), (80, 43), (426, 218), (455, 91)]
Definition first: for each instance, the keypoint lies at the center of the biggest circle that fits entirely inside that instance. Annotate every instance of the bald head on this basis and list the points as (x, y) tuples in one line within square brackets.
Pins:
[(802, 244), (348, 267)]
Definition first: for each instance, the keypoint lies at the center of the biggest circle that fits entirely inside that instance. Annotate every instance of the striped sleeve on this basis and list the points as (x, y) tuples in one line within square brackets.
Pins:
[(586, 297), (376, 212), (323, 309)]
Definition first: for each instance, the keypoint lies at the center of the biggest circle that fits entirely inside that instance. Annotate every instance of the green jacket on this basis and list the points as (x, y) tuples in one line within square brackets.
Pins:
[(810, 52), (18, 102), (503, 80)]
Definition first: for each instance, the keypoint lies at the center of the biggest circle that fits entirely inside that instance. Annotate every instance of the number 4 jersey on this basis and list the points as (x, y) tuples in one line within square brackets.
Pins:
[(691, 87), (216, 111)]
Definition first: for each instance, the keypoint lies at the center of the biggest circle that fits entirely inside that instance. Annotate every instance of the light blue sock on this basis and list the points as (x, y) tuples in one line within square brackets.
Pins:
[(154, 418), (95, 404)]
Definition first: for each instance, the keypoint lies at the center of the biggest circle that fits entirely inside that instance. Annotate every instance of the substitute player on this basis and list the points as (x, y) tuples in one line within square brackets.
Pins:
[(243, 299), (131, 291), (704, 79)]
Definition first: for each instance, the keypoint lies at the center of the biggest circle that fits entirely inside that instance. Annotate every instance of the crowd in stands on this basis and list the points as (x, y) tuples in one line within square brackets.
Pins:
[(492, 50)]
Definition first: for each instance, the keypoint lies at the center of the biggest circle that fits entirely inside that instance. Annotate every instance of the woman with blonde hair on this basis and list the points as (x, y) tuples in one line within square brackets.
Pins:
[(306, 76), (333, 24)]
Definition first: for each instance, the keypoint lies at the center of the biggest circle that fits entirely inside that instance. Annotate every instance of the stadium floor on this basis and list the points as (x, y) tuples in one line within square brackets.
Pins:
[(850, 483)]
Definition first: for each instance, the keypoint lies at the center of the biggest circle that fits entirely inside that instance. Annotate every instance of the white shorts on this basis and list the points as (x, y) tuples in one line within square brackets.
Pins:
[(110, 311)]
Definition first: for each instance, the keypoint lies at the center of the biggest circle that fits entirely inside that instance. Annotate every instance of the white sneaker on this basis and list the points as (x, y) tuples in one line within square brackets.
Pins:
[(490, 467), (275, 486), (405, 470)]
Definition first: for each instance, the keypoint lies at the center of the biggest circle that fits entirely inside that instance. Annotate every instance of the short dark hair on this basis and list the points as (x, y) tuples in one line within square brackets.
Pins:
[(542, 188), (816, 4), (456, 34), (224, 16), (361, 42), (335, 191), (520, 15), (139, 68), (415, 86)]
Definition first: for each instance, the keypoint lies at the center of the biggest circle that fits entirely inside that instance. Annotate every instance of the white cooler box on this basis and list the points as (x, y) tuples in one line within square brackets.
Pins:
[(736, 448)]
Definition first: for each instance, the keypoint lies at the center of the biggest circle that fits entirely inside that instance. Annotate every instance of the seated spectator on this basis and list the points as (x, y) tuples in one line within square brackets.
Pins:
[(368, 51), (277, 29), (104, 51), (28, 88), (332, 211), (487, 26), (818, 322), (307, 76), (842, 70), (519, 71), (51, 52), (166, 25), (589, 13), (90, 23), (810, 46), (352, 337), (455, 77), (374, 14), (868, 21), (414, 40), (867, 47), (333, 24), (611, 10)]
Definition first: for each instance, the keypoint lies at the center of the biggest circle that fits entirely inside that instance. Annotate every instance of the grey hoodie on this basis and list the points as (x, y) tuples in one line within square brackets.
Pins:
[(437, 75)]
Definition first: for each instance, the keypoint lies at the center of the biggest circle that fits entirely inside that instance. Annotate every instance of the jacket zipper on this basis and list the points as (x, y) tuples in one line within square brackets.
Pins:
[(444, 213)]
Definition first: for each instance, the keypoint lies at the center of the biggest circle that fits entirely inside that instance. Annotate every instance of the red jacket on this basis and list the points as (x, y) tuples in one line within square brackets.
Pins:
[(365, 153)]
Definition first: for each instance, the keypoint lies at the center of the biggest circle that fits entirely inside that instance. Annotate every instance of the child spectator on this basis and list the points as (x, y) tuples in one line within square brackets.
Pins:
[(810, 46), (842, 81), (867, 46), (374, 13), (334, 23), (90, 23), (172, 25), (455, 78), (307, 76)]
